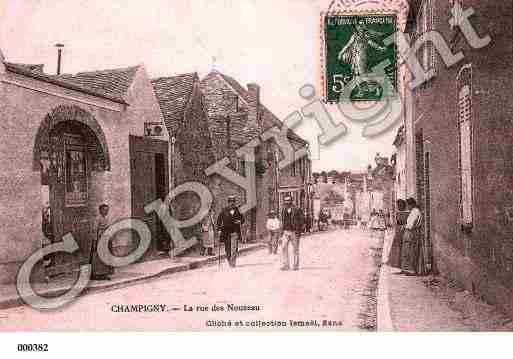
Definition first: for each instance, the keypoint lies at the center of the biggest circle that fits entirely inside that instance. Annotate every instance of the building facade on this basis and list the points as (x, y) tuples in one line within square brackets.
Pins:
[(236, 116), (461, 126), (68, 144), (71, 142)]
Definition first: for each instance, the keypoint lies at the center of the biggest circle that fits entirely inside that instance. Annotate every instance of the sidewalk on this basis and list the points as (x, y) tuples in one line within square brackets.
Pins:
[(433, 303), (9, 296)]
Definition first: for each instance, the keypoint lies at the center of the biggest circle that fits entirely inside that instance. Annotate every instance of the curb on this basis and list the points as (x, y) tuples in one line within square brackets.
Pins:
[(202, 262), (384, 314), (384, 322)]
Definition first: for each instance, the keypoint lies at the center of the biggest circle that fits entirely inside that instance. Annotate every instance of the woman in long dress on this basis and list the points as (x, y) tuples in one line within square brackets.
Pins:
[(412, 259), (394, 257), (100, 270)]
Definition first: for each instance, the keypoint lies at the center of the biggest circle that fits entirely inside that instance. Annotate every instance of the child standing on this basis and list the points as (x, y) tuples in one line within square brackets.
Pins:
[(207, 235), (273, 226)]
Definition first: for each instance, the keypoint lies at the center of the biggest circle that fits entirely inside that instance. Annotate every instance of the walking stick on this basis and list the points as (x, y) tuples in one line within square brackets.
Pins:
[(219, 251)]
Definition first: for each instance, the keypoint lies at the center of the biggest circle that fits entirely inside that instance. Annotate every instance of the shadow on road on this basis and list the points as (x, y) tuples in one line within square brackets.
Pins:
[(253, 264), (315, 268)]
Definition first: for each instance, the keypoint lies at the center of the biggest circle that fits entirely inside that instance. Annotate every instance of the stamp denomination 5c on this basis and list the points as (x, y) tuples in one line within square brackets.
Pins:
[(353, 55)]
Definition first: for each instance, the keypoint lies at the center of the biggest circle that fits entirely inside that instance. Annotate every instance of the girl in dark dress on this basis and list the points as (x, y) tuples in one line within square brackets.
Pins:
[(100, 270)]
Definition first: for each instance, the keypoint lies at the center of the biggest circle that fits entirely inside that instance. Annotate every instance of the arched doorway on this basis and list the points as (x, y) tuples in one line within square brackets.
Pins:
[(70, 146)]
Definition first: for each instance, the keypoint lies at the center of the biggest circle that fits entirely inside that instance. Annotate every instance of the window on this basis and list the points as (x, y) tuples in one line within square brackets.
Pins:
[(241, 166), (465, 143), (458, 13), (425, 23), (75, 171)]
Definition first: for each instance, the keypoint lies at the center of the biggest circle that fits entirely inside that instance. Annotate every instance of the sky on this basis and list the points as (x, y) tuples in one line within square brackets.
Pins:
[(274, 43)]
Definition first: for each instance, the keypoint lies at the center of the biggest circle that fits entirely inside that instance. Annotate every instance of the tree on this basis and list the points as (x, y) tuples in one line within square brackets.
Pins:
[(324, 176), (333, 174)]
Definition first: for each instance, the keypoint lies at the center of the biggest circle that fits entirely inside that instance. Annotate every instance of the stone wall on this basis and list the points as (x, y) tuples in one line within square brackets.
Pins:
[(487, 250)]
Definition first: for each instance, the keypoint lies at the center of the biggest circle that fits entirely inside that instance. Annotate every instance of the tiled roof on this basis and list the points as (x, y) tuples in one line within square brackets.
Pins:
[(242, 131), (66, 81), (30, 67), (173, 93), (114, 82), (241, 91), (269, 119)]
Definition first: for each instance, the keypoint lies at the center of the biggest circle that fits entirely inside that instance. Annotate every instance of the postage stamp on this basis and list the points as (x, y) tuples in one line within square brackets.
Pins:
[(353, 54)]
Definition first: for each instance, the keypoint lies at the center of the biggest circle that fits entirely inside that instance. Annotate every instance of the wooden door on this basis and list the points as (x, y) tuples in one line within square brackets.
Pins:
[(143, 186), (69, 185), (149, 182)]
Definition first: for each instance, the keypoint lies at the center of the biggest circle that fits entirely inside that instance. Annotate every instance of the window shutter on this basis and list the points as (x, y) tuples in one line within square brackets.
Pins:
[(465, 126), (432, 14)]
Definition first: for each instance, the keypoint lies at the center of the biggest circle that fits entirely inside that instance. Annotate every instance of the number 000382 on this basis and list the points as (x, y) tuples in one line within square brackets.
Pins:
[(32, 347)]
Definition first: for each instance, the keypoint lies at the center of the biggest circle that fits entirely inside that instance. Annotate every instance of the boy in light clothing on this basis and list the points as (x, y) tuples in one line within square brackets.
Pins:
[(273, 226)]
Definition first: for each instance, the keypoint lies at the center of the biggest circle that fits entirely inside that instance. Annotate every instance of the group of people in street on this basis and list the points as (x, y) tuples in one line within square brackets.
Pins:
[(410, 250), (324, 219), (284, 230), (378, 223)]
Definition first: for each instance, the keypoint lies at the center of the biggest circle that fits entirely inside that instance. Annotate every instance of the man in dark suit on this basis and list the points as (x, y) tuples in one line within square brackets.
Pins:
[(293, 222), (228, 225)]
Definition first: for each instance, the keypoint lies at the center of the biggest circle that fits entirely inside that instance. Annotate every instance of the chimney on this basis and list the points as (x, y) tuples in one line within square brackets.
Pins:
[(59, 57), (254, 104)]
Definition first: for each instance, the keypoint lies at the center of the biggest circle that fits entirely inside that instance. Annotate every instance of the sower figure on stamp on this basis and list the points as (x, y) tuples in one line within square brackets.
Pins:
[(292, 219), (355, 51), (228, 224)]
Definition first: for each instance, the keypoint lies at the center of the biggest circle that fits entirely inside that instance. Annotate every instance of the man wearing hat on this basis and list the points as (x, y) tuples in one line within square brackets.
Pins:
[(228, 223), (292, 220)]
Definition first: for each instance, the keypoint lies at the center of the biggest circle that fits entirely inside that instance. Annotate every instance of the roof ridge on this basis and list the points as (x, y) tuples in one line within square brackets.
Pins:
[(63, 81), (174, 76), (117, 69)]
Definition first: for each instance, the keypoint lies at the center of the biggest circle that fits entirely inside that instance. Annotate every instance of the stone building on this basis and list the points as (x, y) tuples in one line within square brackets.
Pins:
[(73, 142), (461, 127), (236, 116), (191, 152)]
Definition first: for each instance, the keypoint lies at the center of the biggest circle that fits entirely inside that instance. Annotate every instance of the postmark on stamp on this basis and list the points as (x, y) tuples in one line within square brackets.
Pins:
[(353, 52)]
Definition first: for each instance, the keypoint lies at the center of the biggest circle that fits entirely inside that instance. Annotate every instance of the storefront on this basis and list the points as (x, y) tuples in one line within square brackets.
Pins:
[(66, 150)]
